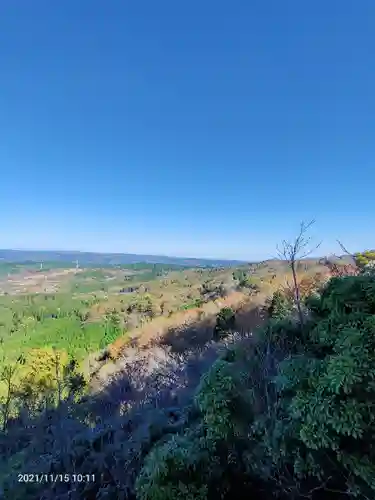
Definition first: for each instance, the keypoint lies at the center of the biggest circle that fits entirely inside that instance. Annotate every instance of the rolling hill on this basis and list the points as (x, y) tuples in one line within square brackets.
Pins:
[(104, 259)]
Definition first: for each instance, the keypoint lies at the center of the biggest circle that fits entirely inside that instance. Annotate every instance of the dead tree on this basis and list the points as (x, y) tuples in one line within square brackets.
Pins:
[(293, 253)]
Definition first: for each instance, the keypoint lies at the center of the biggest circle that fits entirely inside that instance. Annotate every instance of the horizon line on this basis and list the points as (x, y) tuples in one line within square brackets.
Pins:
[(210, 259), (127, 253)]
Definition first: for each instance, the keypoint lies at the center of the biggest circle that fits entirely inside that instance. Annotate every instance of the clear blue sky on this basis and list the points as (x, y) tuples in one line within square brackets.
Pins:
[(188, 128)]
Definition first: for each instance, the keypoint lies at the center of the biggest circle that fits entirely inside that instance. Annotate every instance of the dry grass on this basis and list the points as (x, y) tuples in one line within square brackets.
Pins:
[(158, 327), (247, 307)]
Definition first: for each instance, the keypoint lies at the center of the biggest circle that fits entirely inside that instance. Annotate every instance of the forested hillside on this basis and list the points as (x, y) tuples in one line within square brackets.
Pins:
[(159, 384)]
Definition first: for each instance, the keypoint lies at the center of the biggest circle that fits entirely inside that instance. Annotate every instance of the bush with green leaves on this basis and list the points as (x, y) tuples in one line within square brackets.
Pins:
[(210, 290), (208, 460), (279, 306), (225, 322), (365, 259), (40, 380), (245, 281), (324, 437)]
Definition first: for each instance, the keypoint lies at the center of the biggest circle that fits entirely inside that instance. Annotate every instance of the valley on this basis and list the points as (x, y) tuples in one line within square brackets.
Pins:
[(85, 310), (123, 351)]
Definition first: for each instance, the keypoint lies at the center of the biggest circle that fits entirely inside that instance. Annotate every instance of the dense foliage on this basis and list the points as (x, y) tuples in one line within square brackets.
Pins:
[(225, 322), (364, 259), (306, 421), (279, 306)]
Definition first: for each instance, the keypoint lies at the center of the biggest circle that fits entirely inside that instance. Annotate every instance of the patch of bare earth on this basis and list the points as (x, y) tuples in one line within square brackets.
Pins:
[(168, 353), (36, 281)]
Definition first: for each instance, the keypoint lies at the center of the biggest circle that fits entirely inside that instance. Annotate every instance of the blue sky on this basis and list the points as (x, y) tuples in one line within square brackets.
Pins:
[(200, 128)]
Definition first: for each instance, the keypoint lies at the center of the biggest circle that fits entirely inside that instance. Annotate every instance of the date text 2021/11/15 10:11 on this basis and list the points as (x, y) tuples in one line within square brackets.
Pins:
[(56, 478)]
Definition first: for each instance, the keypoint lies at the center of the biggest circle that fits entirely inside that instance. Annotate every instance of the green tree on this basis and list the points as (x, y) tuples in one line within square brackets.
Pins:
[(364, 259), (225, 322), (280, 306), (328, 390)]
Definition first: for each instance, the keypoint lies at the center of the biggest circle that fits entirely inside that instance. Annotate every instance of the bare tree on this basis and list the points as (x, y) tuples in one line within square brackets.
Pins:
[(293, 252)]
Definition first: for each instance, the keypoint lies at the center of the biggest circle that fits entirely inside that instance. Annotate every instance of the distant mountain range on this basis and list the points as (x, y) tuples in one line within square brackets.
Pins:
[(106, 259)]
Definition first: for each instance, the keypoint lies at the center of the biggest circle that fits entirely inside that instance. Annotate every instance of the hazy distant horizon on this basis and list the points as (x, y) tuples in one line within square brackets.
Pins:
[(121, 253), (314, 255)]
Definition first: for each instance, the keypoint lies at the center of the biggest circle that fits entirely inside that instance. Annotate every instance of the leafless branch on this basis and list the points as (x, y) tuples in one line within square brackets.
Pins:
[(293, 252), (297, 250), (343, 248)]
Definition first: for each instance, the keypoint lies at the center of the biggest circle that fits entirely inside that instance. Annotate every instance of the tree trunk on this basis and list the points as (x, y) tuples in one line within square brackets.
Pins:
[(297, 292)]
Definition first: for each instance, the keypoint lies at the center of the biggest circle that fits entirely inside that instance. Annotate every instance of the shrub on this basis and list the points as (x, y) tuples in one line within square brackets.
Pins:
[(365, 258), (225, 322), (280, 306), (208, 459), (327, 392), (175, 470)]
